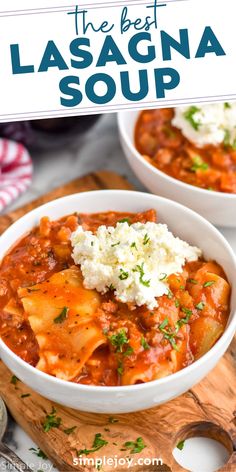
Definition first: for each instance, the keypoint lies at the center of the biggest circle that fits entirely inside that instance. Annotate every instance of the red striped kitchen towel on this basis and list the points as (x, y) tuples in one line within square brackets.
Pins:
[(15, 171)]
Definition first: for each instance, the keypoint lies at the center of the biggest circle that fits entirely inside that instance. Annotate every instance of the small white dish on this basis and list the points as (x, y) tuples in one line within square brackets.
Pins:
[(182, 222), (217, 207)]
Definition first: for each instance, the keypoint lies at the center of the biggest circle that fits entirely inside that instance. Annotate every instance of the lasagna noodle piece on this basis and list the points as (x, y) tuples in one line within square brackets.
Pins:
[(61, 314), (160, 368)]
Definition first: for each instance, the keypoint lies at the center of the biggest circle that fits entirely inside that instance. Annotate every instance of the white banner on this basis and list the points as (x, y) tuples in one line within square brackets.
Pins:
[(92, 57)]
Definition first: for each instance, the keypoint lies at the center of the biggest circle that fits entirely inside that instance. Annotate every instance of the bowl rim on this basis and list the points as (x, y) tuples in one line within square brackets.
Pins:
[(171, 180), (177, 376)]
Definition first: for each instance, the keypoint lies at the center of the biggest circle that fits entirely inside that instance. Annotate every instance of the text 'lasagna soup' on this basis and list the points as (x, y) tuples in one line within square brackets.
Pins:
[(110, 299)]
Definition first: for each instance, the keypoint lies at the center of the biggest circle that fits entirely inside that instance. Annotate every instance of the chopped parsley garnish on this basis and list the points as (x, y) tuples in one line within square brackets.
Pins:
[(123, 275), (189, 116), (135, 446), (120, 368), (172, 341), (118, 340), (164, 324), (170, 294), (186, 311), (111, 287), (227, 105), (129, 351), (198, 164), (209, 283), (115, 244), (98, 443), (182, 322), (185, 320), (177, 304), (69, 430), (144, 343), (134, 245), (14, 380), (180, 445), (140, 269), (227, 138), (125, 220), (168, 333), (25, 395), (51, 421), (62, 316), (163, 277), (146, 239), (38, 452), (200, 306), (193, 281), (112, 420)]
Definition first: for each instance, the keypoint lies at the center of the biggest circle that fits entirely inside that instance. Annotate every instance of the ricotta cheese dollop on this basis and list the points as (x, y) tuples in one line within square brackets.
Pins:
[(133, 260), (214, 123)]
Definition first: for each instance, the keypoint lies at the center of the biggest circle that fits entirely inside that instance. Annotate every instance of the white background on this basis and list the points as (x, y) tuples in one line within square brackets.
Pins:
[(37, 94)]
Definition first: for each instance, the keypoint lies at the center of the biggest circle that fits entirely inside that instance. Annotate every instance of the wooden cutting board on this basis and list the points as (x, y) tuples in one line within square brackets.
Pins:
[(209, 409)]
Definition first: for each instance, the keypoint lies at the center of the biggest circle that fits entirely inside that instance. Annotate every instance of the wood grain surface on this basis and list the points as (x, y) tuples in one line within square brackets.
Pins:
[(209, 409)]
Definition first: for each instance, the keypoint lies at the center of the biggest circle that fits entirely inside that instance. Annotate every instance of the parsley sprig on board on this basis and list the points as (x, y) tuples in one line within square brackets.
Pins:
[(51, 421), (112, 420), (98, 443), (38, 452), (135, 447), (180, 445), (69, 430), (14, 380)]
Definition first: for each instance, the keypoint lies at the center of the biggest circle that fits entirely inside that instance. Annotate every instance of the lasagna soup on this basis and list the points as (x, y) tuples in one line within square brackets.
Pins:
[(196, 145), (147, 306)]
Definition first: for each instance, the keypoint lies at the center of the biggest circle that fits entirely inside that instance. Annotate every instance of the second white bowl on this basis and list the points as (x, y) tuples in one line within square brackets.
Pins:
[(217, 207)]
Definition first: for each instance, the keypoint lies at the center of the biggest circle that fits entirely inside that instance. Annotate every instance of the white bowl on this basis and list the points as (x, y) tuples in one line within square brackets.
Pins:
[(184, 223), (217, 207)]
